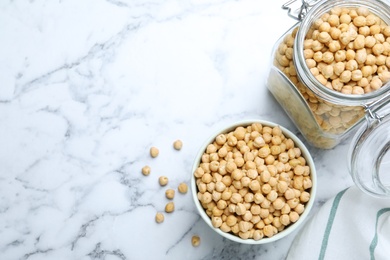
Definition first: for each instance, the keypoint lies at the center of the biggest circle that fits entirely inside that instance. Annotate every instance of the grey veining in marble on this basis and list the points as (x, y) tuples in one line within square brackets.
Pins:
[(87, 87)]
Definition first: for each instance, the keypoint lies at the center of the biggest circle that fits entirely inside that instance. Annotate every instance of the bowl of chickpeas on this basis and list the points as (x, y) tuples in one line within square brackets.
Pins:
[(253, 182)]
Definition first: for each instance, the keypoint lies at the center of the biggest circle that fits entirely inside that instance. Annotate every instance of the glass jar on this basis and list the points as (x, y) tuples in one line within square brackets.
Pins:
[(327, 104)]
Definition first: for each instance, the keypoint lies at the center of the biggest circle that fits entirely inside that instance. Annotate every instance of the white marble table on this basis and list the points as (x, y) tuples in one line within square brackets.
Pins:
[(87, 87)]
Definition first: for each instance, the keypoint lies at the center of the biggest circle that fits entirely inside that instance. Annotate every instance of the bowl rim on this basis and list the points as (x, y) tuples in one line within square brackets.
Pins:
[(305, 153)]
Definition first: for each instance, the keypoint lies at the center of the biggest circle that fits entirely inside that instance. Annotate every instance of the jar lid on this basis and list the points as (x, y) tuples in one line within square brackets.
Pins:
[(370, 155)]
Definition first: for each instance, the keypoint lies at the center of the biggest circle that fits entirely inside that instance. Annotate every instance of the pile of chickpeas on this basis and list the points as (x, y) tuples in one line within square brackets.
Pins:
[(347, 50), (253, 182)]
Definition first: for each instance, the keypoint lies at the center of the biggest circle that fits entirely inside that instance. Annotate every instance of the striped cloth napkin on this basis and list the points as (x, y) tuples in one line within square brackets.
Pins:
[(352, 225)]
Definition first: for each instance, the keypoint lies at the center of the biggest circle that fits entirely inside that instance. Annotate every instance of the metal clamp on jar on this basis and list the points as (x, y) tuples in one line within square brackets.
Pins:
[(331, 74)]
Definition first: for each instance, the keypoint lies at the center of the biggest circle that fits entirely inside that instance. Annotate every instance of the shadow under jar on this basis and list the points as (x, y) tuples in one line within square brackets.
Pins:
[(331, 74)]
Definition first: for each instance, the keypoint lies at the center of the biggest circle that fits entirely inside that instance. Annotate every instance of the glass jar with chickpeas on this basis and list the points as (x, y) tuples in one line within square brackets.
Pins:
[(331, 74)]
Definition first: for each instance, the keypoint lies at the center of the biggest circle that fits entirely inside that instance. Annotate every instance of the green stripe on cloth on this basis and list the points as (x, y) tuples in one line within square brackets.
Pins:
[(374, 241), (329, 225)]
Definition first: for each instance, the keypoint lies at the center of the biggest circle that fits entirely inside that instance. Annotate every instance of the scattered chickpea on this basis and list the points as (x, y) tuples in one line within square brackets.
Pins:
[(170, 193), (178, 144), (159, 217), (183, 188), (146, 170), (169, 207), (195, 240), (154, 152), (163, 180)]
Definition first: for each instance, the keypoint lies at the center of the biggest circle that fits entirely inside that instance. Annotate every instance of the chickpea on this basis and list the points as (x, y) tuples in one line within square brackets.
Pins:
[(268, 231), (375, 29), (285, 219), (347, 89), (345, 38), (230, 166), (376, 83), (356, 75), (257, 235), (359, 42), (334, 33), (216, 222), (285, 209), (254, 185), (321, 79), (370, 19), (308, 53), (247, 216), (258, 198), (299, 208), (202, 187), (289, 194), (222, 204), (351, 65), (177, 145), (334, 46), (163, 180), (245, 181), (360, 21), (380, 60), (350, 55), (211, 148), (232, 141), (324, 37), (205, 158), (365, 30), (207, 178), (236, 198), (345, 76), (159, 217), (225, 228), (294, 216), (278, 203), (378, 49), (337, 84), (334, 20), (231, 220), (357, 91), (195, 241), (183, 188), (328, 57), (252, 173), (361, 56), (327, 71), (305, 196), (384, 76), (345, 18), (235, 229), (244, 226), (239, 133), (272, 195), (170, 193), (154, 152), (265, 204), (220, 139), (206, 197), (170, 207), (237, 174), (146, 170), (205, 167)]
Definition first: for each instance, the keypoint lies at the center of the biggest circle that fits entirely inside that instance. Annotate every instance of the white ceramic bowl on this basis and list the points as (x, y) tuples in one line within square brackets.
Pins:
[(291, 227)]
